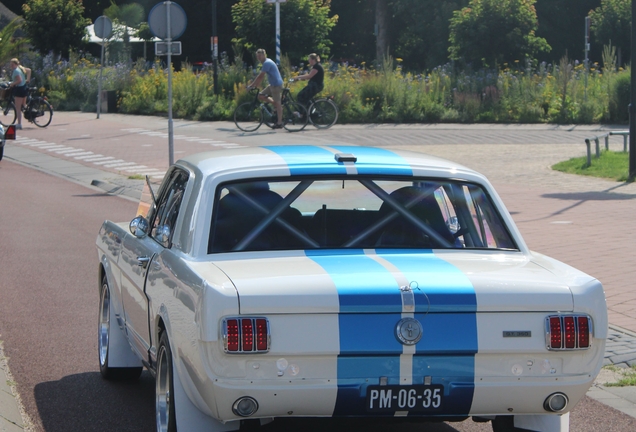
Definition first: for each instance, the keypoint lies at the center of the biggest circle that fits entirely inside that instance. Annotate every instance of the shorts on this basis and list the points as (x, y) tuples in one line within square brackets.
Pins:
[(19, 91), (276, 92)]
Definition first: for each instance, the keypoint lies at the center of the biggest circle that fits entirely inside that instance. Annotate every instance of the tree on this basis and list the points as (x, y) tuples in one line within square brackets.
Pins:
[(382, 20), (422, 39), (55, 25), (8, 44), (612, 21), (305, 26), (128, 15), (490, 32)]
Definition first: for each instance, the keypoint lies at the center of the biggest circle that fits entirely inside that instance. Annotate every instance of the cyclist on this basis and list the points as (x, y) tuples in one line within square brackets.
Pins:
[(316, 78), (273, 92), (19, 78)]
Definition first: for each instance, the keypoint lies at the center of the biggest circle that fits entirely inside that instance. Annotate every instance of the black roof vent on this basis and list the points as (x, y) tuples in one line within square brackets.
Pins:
[(345, 157)]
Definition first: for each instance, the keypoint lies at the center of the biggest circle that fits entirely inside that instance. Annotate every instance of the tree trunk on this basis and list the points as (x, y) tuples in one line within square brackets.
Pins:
[(382, 37)]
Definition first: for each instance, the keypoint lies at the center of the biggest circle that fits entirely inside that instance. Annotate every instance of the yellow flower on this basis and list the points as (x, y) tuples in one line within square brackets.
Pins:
[(516, 61), (399, 60)]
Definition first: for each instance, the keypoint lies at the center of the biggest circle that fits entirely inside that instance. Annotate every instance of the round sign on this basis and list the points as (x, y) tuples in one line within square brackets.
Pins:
[(103, 27), (158, 21)]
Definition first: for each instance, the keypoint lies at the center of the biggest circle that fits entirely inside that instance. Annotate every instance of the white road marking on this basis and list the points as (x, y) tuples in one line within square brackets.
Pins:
[(212, 142), (108, 161), (95, 159), (51, 146), (135, 168), (71, 154), (63, 150), (119, 164), (88, 158)]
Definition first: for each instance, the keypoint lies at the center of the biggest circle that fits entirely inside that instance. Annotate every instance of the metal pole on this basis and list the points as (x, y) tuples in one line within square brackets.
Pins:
[(587, 49), (170, 129), (277, 32), (99, 85), (632, 105), (215, 60)]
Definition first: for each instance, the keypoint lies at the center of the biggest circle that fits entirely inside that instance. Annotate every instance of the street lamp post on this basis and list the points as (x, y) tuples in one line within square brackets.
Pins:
[(632, 105), (215, 50)]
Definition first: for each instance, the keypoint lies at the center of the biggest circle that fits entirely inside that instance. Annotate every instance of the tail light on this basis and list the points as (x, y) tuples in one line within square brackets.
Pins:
[(246, 335), (568, 332), (10, 132)]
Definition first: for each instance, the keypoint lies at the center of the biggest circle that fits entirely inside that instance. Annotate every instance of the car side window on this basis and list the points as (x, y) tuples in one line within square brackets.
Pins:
[(165, 216)]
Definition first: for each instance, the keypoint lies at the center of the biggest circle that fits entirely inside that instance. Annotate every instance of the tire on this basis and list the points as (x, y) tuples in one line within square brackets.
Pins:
[(294, 116), (44, 113), (7, 113), (103, 338), (323, 113), (164, 388), (1, 152), (506, 424), (248, 117)]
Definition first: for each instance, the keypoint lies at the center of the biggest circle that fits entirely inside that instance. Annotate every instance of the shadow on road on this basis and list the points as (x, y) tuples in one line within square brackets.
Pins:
[(86, 402)]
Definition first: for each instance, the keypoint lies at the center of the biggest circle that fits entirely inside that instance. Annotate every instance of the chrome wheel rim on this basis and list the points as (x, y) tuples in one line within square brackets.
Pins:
[(104, 324), (163, 391)]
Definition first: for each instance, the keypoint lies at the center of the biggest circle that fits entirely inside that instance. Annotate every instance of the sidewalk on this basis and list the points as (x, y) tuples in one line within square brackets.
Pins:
[(582, 221)]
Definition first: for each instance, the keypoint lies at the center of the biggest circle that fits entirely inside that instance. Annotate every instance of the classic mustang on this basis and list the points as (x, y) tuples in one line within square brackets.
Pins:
[(339, 281)]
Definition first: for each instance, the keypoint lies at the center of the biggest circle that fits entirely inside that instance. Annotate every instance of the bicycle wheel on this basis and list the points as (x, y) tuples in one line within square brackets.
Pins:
[(42, 112), (294, 116), (7, 113), (323, 113), (248, 117)]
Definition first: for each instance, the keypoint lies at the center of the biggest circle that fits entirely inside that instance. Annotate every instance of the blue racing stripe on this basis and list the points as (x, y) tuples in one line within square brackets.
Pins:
[(379, 161), (363, 284), (371, 307), (308, 160)]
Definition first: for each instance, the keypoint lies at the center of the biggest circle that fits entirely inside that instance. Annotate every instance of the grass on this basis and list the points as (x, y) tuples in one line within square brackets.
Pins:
[(610, 165), (628, 379), (136, 177)]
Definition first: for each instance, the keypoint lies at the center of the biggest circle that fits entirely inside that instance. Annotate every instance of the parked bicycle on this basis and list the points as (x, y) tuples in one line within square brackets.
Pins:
[(249, 116), (36, 108)]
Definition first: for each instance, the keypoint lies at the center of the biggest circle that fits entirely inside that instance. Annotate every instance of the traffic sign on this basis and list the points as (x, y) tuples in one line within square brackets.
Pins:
[(161, 48), (158, 20), (103, 27)]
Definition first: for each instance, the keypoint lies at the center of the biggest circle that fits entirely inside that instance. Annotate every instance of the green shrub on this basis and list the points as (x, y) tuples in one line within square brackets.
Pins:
[(620, 98)]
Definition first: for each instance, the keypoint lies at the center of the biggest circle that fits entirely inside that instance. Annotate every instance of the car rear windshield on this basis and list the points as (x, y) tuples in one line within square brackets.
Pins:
[(355, 213)]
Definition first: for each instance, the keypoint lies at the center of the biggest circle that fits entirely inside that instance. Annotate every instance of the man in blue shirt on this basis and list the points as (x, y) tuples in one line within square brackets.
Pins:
[(273, 92)]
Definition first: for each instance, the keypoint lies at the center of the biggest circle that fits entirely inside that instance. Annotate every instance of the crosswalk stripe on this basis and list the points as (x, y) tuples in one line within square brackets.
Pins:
[(71, 154), (135, 168), (108, 161), (119, 164), (95, 159), (90, 156)]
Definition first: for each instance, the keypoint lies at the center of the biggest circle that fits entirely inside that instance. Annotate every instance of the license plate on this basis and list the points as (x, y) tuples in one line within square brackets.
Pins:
[(416, 398)]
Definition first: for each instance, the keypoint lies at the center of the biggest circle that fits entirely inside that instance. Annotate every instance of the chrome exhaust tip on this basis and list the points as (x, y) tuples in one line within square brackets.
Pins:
[(556, 402), (245, 406)]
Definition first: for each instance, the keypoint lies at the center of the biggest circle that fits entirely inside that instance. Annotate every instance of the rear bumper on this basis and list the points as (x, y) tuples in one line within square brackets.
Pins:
[(327, 398)]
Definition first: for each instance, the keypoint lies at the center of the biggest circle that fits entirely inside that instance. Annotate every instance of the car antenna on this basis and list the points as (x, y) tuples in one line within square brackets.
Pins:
[(154, 198)]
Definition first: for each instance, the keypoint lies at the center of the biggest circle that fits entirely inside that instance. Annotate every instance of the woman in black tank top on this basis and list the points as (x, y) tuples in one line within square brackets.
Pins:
[(316, 78)]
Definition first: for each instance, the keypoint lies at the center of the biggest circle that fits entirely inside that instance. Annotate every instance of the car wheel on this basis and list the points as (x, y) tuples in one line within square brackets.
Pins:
[(506, 424), (164, 390), (103, 339), (1, 152)]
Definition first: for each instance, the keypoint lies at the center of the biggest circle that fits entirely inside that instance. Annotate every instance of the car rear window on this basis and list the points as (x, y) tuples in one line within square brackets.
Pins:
[(335, 213)]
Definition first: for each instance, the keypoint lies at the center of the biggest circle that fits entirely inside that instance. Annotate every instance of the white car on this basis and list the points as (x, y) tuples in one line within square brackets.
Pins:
[(339, 281)]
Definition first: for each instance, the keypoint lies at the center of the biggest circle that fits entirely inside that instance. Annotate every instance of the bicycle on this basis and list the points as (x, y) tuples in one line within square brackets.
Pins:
[(36, 109), (249, 116), (323, 112)]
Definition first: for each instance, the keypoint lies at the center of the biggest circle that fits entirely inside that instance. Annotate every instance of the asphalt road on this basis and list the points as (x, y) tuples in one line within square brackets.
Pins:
[(48, 316)]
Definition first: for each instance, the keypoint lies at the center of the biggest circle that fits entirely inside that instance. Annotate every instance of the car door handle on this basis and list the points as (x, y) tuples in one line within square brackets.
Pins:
[(143, 261)]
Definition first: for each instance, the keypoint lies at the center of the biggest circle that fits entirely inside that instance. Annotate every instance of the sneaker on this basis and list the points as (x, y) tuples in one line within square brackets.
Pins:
[(18, 126), (277, 126)]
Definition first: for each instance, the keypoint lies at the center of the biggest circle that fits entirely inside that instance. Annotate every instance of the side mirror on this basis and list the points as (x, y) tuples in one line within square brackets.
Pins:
[(139, 227), (163, 235)]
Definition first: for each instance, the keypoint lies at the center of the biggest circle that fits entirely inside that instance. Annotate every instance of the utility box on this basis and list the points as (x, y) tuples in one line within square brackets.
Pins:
[(109, 101)]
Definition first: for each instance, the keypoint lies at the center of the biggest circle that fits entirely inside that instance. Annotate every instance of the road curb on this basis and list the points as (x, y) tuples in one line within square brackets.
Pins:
[(12, 414)]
